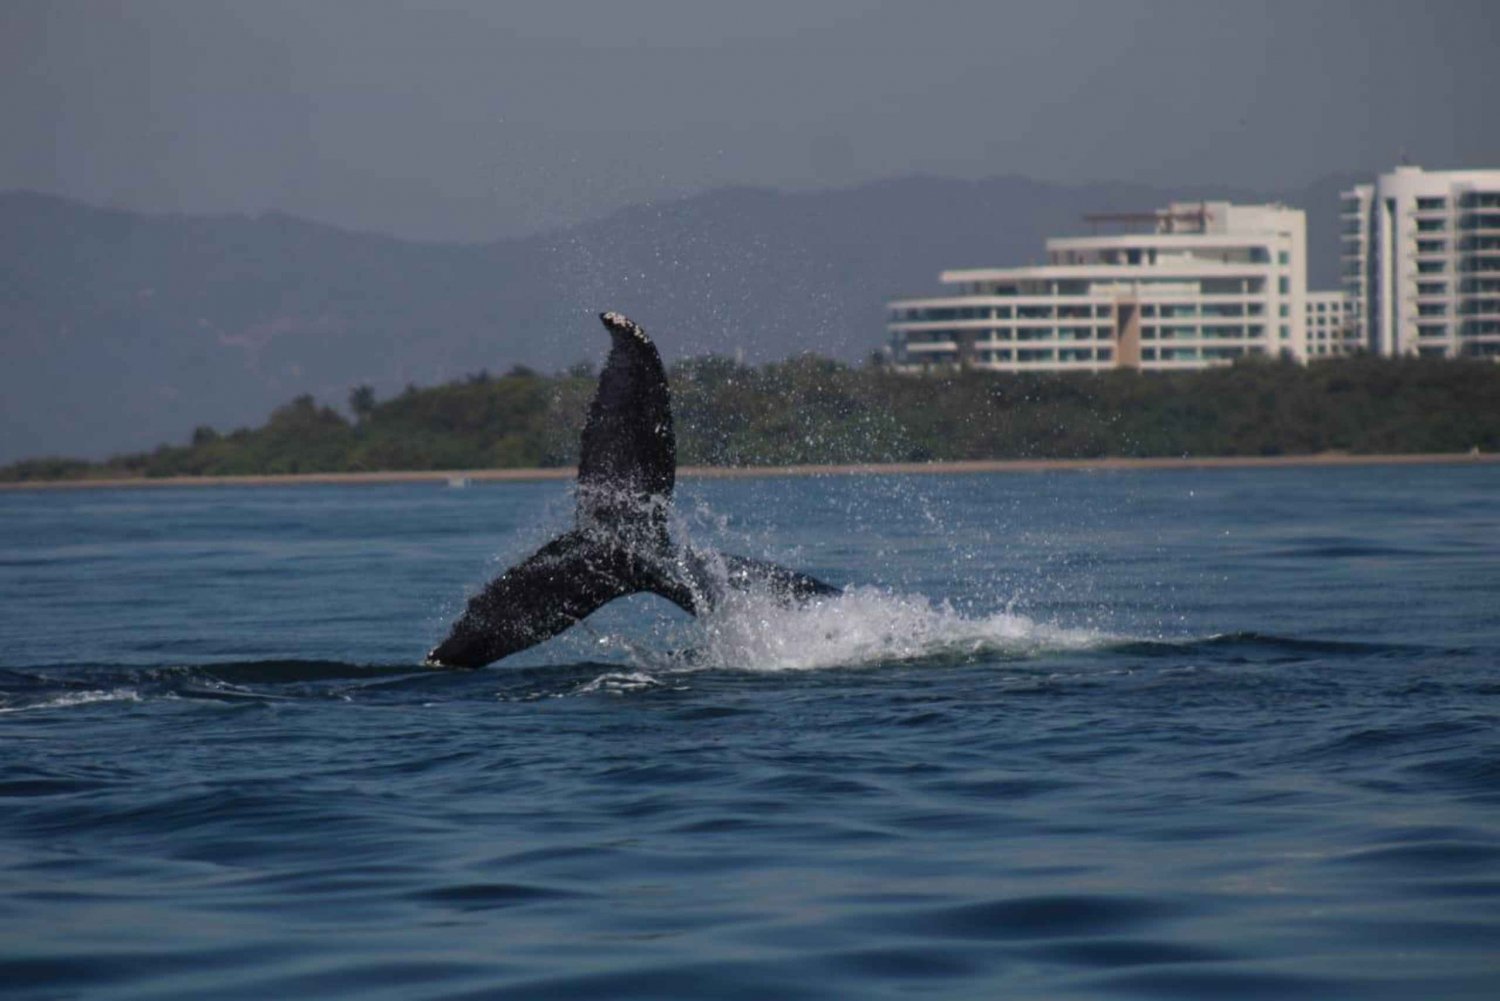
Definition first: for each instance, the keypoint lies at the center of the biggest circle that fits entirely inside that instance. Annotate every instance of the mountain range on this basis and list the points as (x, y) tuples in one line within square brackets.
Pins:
[(122, 330)]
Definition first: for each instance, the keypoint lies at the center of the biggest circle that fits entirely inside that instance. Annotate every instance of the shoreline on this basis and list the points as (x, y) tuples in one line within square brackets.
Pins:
[(475, 476)]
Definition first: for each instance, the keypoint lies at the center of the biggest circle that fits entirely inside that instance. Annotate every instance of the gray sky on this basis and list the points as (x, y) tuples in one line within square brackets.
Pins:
[(472, 120)]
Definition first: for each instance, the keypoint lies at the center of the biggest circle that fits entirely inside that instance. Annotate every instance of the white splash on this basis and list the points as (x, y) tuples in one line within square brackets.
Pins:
[(77, 699), (865, 626), (619, 683)]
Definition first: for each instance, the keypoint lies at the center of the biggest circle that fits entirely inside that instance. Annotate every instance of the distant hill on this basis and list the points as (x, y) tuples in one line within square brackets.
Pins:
[(121, 330)]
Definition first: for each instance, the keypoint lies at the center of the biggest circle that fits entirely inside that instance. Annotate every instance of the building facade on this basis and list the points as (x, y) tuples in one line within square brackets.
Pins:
[(1421, 262), (1203, 284), (1332, 325)]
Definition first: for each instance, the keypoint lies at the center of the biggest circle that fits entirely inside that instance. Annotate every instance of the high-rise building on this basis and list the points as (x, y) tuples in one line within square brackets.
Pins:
[(1331, 326), (1201, 283), (1421, 262)]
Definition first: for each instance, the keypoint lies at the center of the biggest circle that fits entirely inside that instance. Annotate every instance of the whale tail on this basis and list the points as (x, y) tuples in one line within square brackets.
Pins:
[(627, 463), (620, 544)]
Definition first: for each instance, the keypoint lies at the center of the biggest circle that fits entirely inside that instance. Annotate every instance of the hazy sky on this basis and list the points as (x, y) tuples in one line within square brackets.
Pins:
[(480, 119)]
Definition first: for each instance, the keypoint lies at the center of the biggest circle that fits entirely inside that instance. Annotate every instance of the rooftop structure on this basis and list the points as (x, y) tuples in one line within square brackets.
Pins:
[(1421, 260), (1203, 283)]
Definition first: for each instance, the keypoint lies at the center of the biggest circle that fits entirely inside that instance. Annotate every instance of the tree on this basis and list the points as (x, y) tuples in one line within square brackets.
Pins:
[(362, 402)]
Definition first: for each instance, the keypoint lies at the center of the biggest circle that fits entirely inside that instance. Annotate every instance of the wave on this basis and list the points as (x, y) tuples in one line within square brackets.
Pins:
[(70, 699), (754, 633), (68, 686), (1266, 643)]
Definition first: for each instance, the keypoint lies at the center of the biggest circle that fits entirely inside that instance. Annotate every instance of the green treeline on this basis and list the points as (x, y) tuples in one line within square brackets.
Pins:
[(812, 410)]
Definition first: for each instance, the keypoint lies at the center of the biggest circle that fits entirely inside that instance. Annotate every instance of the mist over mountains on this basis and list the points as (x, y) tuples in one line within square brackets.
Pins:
[(123, 330)]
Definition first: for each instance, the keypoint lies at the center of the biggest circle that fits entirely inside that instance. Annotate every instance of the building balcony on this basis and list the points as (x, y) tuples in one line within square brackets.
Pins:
[(1489, 219), (920, 325)]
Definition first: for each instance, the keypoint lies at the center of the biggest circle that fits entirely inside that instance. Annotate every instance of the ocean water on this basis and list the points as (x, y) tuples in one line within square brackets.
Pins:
[(1226, 734)]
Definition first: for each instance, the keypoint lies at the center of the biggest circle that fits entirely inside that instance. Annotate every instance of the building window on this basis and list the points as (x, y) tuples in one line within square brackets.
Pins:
[(1223, 333), (1284, 285), (1232, 286)]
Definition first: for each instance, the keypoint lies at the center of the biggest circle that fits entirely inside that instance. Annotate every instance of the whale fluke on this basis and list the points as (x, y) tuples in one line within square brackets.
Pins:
[(620, 544), (627, 464)]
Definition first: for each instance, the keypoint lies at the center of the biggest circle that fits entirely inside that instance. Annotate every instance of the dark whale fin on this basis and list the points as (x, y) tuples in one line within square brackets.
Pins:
[(567, 579), (745, 574), (695, 580), (579, 572), (627, 462), (626, 471)]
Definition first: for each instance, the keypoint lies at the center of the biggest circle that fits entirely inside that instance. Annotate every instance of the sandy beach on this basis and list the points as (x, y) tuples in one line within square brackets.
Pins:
[(474, 476)]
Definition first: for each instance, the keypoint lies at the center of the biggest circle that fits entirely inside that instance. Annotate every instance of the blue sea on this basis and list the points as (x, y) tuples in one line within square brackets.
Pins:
[(1146, 734)]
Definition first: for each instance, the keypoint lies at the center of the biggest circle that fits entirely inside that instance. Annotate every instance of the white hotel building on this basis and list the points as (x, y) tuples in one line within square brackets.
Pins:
[(1208, 282), (1421, 262), (1332, 325)]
